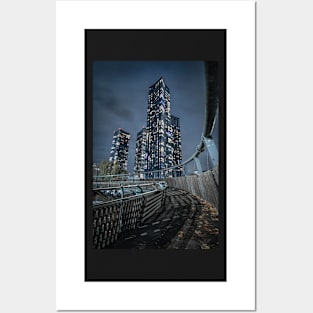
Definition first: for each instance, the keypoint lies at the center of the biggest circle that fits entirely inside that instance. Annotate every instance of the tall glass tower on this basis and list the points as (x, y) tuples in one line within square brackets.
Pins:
[(141, 152), (119, 149), (163, 131), (176, 143)]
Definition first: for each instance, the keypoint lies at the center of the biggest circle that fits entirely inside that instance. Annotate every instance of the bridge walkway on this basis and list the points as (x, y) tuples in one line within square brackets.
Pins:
[(172, 227), (161, 227)]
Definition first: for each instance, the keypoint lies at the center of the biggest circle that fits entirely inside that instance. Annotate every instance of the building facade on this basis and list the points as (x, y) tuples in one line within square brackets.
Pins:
[(159, 152), (119, 149), (162, 143), (141, 152), (176, 142)]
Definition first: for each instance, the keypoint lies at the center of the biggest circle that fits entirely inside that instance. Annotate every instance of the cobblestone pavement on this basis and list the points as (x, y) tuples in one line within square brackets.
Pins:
[(183, 222)]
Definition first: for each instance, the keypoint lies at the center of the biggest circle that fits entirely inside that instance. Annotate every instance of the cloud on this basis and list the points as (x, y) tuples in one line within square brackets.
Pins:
[(120, 91), (106, 101)]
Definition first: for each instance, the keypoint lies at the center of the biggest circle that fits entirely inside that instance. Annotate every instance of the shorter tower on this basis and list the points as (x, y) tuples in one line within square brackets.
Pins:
[(176, 143), (119, 149), (141, 153)]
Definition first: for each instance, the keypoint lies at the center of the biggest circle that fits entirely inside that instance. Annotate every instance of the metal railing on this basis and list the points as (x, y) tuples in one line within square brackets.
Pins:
[(118, 193), (117, 209)]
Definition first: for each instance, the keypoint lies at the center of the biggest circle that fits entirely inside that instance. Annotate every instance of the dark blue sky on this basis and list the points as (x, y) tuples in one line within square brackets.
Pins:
[(120, 91)]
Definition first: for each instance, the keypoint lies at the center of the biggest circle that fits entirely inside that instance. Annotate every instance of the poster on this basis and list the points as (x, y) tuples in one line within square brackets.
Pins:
[(74, 275)]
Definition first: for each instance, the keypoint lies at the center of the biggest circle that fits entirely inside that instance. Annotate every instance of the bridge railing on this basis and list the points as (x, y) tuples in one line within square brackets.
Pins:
[(112, 180), (114, 193), (128, 208), (203, 186)]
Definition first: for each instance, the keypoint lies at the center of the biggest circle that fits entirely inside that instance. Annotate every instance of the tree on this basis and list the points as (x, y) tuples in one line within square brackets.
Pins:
[(115, 168), (110, 168), (105, 168)]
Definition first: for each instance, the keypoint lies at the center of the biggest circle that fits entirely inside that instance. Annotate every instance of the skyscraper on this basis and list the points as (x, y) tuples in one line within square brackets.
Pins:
[(119, 149), (163, 148), (141, 152), (176, 143)]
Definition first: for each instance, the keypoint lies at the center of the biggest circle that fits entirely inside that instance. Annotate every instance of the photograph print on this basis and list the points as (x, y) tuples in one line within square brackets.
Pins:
[(155, 155)]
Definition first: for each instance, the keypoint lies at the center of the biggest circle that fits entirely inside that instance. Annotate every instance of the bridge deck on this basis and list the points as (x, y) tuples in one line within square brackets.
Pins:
[(183, 222)]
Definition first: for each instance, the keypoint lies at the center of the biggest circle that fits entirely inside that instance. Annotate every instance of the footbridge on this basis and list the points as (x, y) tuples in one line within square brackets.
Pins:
[(171, 208)]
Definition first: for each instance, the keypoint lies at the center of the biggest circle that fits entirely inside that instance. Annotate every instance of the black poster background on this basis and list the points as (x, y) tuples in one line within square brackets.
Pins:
[(155, 265)]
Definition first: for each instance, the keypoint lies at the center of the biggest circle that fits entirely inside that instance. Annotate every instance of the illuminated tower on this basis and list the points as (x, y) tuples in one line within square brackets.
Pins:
[(176, 143), (162, 136), (141, 153), (119, 149)]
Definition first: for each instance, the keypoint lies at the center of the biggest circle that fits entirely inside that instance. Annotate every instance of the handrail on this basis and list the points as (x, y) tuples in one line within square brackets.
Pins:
[(125, 198), (123, 195), (119, 187)]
